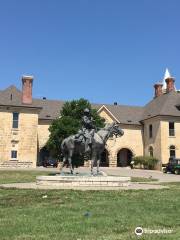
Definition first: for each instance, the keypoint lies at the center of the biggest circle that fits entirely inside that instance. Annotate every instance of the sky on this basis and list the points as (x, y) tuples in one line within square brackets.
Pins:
[(105, 51)]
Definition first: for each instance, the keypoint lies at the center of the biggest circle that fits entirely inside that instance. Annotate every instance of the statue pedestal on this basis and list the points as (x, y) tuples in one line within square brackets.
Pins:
[(88, 181)]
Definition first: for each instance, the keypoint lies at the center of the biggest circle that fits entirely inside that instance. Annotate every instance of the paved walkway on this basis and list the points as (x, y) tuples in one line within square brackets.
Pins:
[(160, 176)]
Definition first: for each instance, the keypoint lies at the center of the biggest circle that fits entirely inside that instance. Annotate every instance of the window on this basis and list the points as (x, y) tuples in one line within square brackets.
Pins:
[(171, 129), (151, 151), (13, 154), (150, 131), (15, 120), (172, 151)]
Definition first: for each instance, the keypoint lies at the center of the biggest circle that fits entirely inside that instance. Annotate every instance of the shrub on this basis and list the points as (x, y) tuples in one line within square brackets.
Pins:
[(145, 162)]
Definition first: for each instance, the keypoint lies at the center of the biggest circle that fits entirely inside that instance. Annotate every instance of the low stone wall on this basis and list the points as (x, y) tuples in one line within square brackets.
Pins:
[(84, 181), (16, 164)]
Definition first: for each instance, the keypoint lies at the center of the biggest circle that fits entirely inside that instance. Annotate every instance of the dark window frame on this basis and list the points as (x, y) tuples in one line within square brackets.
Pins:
[(172, 151), (15, 123), (14, 154), (151, 151), (171, 129), (150, 131)]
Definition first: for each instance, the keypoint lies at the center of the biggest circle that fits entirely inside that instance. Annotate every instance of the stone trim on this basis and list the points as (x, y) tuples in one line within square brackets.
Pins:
[(103, 106)]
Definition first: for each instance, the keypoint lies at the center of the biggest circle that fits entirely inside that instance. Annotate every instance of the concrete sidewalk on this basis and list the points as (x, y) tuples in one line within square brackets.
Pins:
[(160, 176)]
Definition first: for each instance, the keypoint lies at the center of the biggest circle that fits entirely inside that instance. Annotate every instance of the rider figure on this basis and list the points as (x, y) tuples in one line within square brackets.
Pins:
[(88, 129)]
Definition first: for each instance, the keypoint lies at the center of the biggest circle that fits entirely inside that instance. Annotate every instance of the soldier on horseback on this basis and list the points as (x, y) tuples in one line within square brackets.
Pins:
[(87, 131)]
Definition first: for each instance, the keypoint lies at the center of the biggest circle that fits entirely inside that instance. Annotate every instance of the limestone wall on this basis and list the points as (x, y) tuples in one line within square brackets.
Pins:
[(167, 141), (23, 139), (27, 147), (132, 140), (161, 141), (43, 132), (5, 135), (155, 141)]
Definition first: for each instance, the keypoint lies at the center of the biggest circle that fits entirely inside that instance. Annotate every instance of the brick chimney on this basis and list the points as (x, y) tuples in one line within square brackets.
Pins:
[(158, 89), (170, 84), (27, 82)]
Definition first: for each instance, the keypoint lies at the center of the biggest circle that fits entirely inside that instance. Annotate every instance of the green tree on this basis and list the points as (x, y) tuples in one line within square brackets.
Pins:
[(68, 123)]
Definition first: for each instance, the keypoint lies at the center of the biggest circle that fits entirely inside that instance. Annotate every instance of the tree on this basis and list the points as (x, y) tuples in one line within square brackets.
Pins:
[(68, 123)]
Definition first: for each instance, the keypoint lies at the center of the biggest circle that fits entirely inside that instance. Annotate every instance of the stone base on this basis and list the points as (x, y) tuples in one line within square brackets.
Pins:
[(16, 164), (83, 181)]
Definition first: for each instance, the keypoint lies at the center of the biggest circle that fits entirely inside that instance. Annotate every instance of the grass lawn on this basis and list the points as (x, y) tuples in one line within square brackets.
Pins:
[(20, 176), (88, 215), (67, 215), (141, 179)]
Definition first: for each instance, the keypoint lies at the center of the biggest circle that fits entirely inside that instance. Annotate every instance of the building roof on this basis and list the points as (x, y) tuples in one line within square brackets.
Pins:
[(165, 104), (126, 114), (11, 96), (50, 108)]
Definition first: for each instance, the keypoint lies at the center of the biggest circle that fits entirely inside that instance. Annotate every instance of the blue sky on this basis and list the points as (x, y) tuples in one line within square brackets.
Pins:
[(102, 50)]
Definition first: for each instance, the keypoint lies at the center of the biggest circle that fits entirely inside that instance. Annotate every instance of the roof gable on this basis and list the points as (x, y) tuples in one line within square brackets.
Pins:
[(106, 114), (10, 95)]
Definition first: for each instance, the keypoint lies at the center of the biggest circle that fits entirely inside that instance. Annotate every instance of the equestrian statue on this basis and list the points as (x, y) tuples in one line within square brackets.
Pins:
[(88, 141)]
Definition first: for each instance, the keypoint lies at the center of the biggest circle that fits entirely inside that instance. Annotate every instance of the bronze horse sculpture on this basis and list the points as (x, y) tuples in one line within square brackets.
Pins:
[(69, 145)]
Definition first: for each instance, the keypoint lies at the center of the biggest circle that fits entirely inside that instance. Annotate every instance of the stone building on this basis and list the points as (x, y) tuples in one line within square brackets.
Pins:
[(153, 129)]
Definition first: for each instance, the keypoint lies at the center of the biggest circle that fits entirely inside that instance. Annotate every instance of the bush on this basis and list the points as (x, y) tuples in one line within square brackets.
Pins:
[(145, 162)]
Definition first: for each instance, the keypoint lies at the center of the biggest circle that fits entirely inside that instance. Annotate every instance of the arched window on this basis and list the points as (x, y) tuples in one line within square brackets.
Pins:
[(151, 151), (172, 151)]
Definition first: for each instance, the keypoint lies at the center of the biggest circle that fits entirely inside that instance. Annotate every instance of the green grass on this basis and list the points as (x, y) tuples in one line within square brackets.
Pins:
[(26, 215), (20, 176), (85, 215), (141, 179)]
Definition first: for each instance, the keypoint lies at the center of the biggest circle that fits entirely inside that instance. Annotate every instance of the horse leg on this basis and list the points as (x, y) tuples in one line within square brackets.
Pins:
[(93, 159), (63, 163), (70, 161), (98, 162), (92, 164)]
